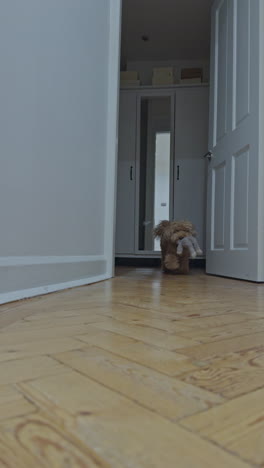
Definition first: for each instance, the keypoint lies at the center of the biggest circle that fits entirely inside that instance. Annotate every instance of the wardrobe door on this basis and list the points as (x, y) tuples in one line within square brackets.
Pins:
[(125, 210), (191, 142)]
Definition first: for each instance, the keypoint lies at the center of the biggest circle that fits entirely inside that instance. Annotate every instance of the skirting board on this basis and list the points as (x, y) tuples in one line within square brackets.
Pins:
[(40, 291), (25, 277)]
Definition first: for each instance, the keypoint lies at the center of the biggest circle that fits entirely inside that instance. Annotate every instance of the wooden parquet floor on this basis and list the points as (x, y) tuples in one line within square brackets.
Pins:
[(144, 370)]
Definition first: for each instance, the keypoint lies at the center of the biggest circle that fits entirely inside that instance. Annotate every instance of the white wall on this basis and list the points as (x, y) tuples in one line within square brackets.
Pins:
[(145, 68), (54, 142)]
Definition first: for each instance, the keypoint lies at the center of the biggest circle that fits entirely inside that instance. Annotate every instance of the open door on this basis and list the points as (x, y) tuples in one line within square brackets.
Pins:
[(59, 96), (235, 158)]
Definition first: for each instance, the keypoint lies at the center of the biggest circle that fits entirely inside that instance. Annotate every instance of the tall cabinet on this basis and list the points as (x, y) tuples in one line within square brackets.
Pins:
[(163, 135)]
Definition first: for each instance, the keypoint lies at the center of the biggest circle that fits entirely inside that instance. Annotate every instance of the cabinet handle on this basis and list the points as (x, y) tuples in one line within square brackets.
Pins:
[(178, 172), (131, 172)]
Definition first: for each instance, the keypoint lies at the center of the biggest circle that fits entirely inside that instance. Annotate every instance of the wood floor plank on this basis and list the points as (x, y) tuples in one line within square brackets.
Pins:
[(121, 432), (209, 351), (130, 314), (231, 375), (28, 333), (237, 425), (162, 360), (232, 330), (252, 358), (227, 381), (10, 459), (167, 396), (166, 305), (162, 323), (25, 369), (14, 350), (146, 334), (37, 442), (10, 316), (216, 320), (13, 404), (184, 311), (46, 320)]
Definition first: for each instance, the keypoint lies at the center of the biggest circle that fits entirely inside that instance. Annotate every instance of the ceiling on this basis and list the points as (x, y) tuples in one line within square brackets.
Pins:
[(177, 29)]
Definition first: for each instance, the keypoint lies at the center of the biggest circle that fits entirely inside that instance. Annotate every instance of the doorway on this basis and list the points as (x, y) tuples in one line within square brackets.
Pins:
[(163, 124), (166, 53)]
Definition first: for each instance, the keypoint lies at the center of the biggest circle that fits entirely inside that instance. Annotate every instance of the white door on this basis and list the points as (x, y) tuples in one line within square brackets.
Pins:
[(58, 113), (234, 192)]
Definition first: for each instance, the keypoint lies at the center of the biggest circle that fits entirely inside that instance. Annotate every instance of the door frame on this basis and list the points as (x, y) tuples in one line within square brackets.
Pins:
[(112, 140), (113, 88)]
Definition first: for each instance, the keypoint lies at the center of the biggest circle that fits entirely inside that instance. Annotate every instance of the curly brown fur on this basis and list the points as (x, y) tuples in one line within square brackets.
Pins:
[(160, 228), (169, 233)]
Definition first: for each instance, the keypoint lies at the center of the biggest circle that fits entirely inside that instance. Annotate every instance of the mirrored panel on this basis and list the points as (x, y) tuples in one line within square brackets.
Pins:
[(155, 168)]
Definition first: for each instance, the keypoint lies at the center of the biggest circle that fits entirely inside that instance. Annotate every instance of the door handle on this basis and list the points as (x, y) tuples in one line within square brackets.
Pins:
[(209, 155), (131, 172)]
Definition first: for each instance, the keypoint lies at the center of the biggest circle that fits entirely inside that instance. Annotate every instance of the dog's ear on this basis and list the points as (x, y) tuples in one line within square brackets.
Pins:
[(160, 228)]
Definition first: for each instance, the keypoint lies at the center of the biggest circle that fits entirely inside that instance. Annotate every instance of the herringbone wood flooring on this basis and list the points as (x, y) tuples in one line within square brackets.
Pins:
[(144, 370)]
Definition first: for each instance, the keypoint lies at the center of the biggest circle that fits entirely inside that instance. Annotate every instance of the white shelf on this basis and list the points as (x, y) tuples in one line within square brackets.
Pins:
[(182, 85)]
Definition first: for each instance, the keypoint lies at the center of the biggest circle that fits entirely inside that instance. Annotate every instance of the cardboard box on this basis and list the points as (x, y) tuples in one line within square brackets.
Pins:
[(130, 84), (129, 76), (162, 76), (191, 73)]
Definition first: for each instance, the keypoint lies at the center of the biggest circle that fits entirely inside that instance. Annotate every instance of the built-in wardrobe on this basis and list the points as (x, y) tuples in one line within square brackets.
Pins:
[(163, 136)]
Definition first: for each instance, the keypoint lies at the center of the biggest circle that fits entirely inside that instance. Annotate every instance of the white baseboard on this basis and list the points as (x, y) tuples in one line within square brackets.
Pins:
[(48, 260), (25, 277), (41, 290)]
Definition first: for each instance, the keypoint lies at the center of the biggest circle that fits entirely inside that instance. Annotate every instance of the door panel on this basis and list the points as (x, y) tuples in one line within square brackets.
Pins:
[(218, 206), (221, 70), (233, 173), (125, 210), (191, 140), (242, 66), (239, 199)]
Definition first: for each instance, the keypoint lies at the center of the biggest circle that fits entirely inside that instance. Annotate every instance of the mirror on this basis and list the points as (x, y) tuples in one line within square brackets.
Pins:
[(155, 168)]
